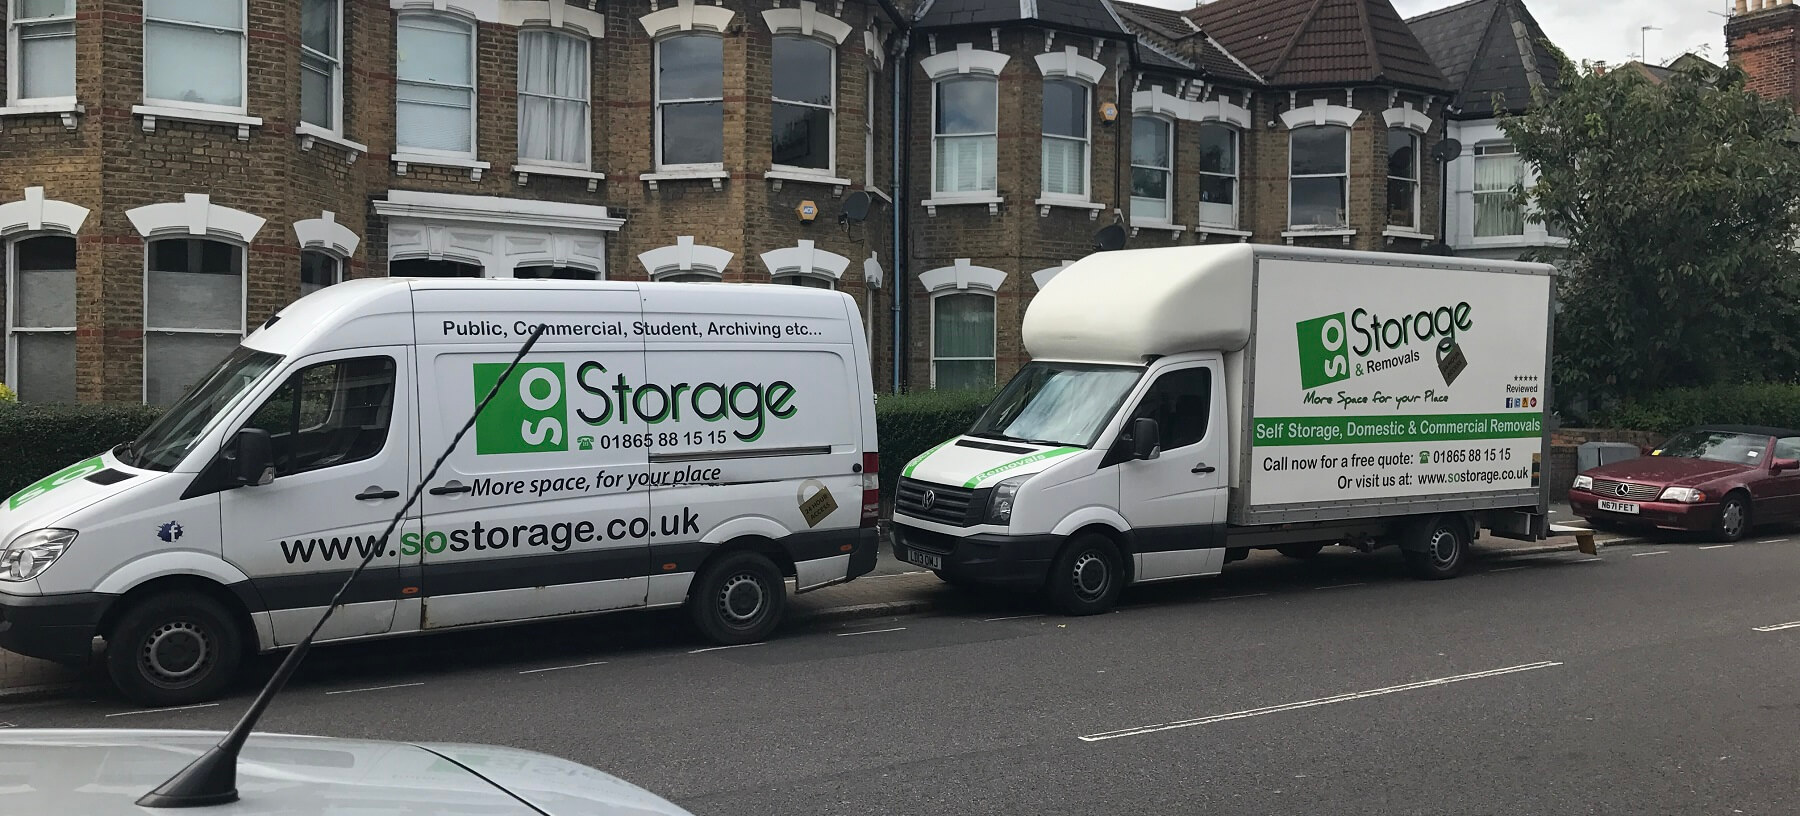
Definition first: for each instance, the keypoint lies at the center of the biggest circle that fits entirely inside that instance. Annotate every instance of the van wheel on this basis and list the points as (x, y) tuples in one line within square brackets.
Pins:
[(174, 649), (1440, 549), (738, 599), (1300, 551), (1086, 577)]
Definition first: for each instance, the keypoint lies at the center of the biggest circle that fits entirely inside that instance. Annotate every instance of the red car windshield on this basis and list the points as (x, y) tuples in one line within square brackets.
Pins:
[(1718, 446)]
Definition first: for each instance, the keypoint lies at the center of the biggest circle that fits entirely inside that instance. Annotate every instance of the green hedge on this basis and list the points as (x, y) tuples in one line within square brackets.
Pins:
[(39, 440), (911, 424), (42, 439), (1669, 411)]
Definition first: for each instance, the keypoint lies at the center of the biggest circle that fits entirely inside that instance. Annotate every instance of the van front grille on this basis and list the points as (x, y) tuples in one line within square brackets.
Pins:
[(940, 503)]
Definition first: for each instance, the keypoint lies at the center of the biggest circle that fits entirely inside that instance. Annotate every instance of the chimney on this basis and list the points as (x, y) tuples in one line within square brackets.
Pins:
[(1763, 38)]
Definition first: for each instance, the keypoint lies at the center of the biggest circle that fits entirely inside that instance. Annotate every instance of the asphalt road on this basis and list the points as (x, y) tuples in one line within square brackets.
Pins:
[(1634, 683)]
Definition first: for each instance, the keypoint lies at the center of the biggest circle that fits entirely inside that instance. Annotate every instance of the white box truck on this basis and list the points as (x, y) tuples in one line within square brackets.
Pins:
[(663, 444), (1185, 406)]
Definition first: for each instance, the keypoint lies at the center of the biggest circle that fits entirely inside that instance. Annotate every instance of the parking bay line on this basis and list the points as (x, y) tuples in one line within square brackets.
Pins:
[(375, 688), (1341, 698), (1720, 546), (873, 632), (1777, 627), (560, 668), (162, 710), (722, 648), (1642, 555)]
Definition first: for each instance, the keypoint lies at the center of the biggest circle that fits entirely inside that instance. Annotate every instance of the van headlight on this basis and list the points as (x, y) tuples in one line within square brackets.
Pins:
[(1584, 483), (1000, 502), (30, 554)]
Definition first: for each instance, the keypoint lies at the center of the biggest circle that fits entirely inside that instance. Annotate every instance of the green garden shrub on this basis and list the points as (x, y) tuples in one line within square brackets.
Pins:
[(1667, 412), (911, 424), (38, 440)]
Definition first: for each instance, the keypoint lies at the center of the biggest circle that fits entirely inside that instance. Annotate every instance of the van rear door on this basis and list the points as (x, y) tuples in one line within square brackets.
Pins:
[(541, 510)]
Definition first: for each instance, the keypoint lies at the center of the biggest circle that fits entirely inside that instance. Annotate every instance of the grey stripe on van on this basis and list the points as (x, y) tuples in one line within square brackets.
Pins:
[(761, 453)]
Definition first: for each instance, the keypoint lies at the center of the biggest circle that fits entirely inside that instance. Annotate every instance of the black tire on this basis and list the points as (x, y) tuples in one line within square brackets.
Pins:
[(1440, 549), (738, 599), (1735, 518), (1300, 551), (1086, 577), (174, 649)]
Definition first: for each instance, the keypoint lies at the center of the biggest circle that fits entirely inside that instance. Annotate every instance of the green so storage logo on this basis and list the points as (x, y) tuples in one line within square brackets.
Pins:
[(542, 409), (529, 415), (1339, 346)]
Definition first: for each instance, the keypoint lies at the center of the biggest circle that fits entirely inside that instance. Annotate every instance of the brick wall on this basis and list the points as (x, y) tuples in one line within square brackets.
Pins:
[(1765, 44)]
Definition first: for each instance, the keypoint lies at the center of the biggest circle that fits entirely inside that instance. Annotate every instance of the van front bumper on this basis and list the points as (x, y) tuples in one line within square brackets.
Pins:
[(1021, 562), (52, 627)]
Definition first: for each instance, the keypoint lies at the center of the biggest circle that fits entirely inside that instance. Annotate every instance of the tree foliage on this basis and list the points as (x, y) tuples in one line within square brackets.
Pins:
[(1681, 201)]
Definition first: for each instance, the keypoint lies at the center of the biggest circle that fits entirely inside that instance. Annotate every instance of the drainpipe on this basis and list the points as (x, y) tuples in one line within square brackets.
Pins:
[(899, 289)]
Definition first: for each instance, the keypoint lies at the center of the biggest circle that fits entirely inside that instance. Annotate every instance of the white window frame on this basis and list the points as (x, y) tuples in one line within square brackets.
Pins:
[(1168, 174), (12, 305), (936, 137), (16, 31), (831, 157), (1292, 177), (1486, 150), (336, 66), (587, 133), (243, 65), (473, 87), (243, 251), (1236, 176), (658, 102), (1417, 181), (1086, 141), (873, 83), (993, 303)]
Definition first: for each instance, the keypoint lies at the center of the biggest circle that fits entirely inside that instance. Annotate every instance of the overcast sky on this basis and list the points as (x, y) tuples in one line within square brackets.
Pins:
[(1606, 29)]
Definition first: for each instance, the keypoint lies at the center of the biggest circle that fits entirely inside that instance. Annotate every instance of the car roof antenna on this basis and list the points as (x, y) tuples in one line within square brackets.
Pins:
[(212, 779)]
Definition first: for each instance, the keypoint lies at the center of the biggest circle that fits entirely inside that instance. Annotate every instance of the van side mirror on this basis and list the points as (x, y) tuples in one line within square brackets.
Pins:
[(253, 454), (1145, 439), (1784, 465)]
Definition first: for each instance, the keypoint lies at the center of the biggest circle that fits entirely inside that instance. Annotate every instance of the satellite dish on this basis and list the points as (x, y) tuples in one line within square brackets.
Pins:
[(856, 208), (1109, 239), (1447, 151)]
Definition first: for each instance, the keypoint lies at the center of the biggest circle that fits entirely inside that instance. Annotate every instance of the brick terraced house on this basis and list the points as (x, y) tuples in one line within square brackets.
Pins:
[(172, 172)]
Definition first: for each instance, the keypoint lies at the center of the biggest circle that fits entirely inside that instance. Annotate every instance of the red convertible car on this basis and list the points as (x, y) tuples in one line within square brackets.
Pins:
[(1715, 479)]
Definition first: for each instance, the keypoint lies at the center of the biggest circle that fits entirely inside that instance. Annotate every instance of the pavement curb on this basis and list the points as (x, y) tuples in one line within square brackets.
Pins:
[(870, 610), (51, 691)]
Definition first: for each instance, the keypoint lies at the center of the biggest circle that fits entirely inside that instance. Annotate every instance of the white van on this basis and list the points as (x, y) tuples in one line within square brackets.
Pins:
[(663, 444)]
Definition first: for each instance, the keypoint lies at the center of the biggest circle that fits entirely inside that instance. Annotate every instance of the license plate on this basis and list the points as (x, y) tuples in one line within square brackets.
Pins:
[(1619, 507), (925, 559)]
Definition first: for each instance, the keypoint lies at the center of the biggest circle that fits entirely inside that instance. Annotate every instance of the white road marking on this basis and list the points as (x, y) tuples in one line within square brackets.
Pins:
[(1586, 560), (161, 710), (893, 575), (1773, 541), (375, 688), (718, 648), (1718, 546), (560, 668), (1641, 555), (1341, 698), (1341, 586), (1778, 627), (1237, 597), (873, 632), (1012, 617)]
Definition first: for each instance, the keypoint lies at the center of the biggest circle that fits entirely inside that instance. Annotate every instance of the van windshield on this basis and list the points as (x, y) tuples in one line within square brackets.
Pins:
[(1057, 404), (173, 436)]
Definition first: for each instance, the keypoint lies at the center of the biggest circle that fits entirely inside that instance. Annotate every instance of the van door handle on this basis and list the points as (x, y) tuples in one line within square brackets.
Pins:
[(376, 493), (1202, 468), (451, 489)]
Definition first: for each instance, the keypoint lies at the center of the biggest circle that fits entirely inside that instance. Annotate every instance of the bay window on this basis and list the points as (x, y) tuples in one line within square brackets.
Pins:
[(435, 85), (555, 273), (554, 123), (1403, 179), (321, 64), (40, 318), (193, 312), (194, 54), (426, 268), (41, 42), (1065, 139), (1498, 211), (1152, 165), (690, 101), (1319, 178), (1218, 175), (804, 85), (962, 340), (965, 135)]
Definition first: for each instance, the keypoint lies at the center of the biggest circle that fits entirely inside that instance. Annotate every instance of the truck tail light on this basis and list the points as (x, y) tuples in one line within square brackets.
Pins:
[(871, 497)]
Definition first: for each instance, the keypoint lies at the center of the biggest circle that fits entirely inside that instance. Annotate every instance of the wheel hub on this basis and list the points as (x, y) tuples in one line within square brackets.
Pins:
[(176, 651), (1733, 518), (1443, 548), (742, 599), (1092, 576)]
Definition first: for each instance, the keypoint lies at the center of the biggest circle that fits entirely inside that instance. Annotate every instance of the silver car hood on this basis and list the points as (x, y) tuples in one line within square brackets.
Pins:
[(104, 771)]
